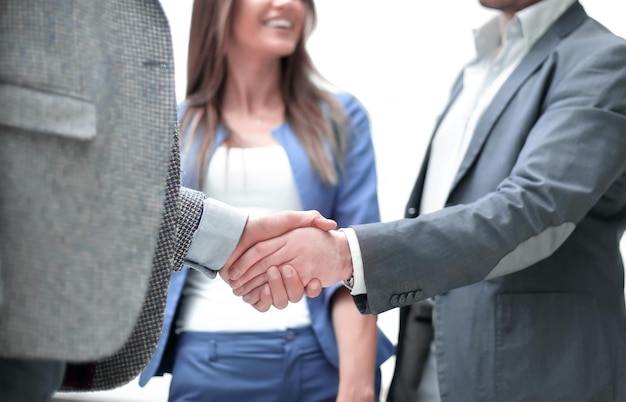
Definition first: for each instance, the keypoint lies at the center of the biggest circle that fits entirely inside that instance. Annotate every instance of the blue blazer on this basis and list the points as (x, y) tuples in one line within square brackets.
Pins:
[(354, 200)]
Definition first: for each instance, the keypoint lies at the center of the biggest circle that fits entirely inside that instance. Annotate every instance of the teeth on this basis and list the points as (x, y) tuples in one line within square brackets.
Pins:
[(279, 23)]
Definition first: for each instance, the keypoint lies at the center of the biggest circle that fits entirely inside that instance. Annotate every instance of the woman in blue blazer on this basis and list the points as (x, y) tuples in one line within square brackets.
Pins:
[(260, 134)]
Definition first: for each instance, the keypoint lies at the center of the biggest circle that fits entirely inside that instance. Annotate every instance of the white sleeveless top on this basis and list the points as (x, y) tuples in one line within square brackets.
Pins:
[(260, 181)]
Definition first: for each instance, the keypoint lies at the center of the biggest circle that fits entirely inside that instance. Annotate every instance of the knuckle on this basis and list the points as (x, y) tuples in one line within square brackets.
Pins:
[(265, 264), (261, 248)]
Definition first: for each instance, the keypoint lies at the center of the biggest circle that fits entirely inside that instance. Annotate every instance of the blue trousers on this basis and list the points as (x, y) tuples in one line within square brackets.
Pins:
[(285, 366), (29, 380)]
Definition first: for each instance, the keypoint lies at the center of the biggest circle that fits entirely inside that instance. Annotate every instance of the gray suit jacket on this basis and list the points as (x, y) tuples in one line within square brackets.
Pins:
[(525, 258), (92, 217)]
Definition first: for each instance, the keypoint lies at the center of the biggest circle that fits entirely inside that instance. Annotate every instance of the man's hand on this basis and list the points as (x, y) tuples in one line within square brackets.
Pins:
[(283, 285), (262, 228), (320, 259)]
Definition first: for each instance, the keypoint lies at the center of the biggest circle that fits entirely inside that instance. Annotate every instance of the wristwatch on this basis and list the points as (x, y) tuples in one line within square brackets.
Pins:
[(349, 283)]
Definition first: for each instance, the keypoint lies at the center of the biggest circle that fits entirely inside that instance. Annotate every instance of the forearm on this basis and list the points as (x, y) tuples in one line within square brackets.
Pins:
[(356, 342)]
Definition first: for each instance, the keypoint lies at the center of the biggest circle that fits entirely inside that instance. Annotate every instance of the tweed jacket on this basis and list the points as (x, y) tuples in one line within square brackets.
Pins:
[(92, 216)]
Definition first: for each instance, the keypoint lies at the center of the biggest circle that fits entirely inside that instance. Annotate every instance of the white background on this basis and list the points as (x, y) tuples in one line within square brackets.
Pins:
[(399, 57)]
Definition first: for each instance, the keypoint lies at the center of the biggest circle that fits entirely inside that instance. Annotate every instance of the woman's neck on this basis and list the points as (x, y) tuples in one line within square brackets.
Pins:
[(252, 104), (252, 86)]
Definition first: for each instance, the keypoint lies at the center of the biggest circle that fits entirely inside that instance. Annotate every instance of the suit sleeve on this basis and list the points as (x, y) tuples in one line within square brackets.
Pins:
[(189, 219)]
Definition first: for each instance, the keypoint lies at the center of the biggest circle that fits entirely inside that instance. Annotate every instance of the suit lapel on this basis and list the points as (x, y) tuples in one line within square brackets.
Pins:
[(529, 64)]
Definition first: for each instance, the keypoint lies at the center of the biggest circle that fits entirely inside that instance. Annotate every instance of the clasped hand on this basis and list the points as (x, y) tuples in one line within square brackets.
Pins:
[(282, 257)]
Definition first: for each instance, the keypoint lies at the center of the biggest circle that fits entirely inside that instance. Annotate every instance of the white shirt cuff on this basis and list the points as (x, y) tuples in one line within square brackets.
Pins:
[(357, 262), (217, 235)]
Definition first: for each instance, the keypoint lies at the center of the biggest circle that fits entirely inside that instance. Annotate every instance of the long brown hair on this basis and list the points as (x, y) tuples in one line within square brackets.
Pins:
[(304, 99)]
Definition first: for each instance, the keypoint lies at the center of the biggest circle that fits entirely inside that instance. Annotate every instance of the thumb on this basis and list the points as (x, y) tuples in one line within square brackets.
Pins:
[(324, 223), (313, 288)]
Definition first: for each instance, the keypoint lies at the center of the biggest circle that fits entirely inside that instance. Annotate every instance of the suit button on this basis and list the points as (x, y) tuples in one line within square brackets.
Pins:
[(418, 293), (394, 300), (410, 297), (402, 299), (412, 211)]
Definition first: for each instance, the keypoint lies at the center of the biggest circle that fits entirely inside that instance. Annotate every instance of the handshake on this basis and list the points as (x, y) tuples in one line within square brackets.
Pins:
[(282, 257)]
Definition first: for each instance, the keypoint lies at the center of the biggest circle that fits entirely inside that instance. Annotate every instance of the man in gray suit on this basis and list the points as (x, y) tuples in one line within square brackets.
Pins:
[(92, 216), (512, 229)]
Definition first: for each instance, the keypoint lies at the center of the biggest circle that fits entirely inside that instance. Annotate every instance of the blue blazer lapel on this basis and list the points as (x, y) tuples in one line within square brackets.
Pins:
[(571, 19)]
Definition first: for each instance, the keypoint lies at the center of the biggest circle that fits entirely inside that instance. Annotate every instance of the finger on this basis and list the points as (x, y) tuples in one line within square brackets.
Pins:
[(265, 301), (245, 255), (324, 224), (251, 263), (255, 271), (277, 288), (313, 288), (253, 297), (315, 219), (286, 221), (293, 284), (252, 284)]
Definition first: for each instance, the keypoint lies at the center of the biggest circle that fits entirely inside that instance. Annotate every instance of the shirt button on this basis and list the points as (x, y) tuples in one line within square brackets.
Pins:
[(412, 211)]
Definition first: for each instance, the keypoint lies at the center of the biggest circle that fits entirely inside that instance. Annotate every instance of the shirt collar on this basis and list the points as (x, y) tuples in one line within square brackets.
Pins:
[(530, 23)]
